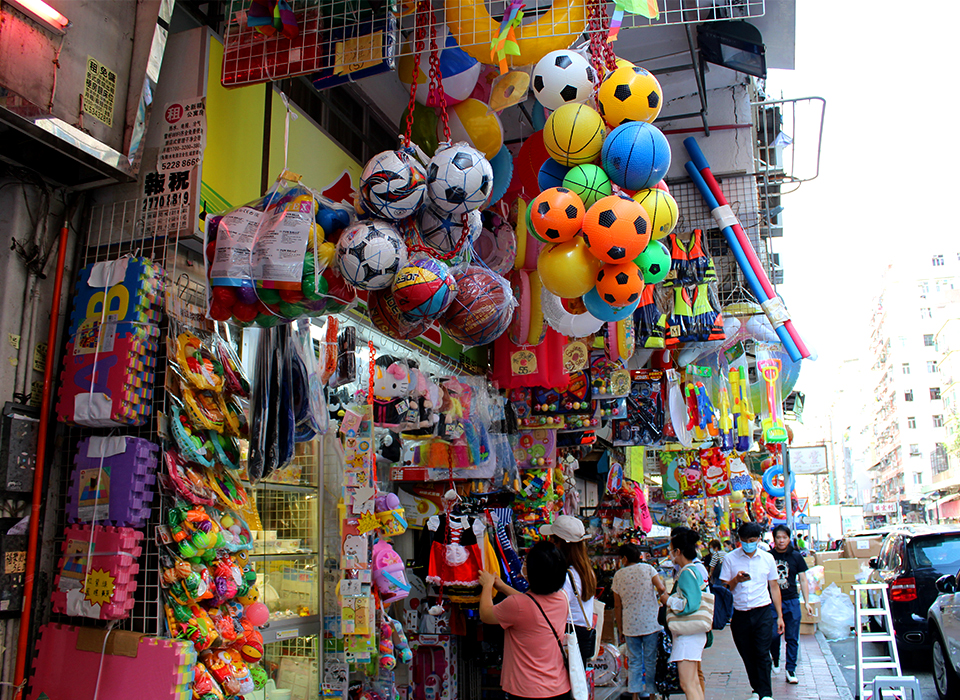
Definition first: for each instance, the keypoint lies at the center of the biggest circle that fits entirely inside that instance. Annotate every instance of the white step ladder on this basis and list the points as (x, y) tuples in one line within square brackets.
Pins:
[(888, 664)]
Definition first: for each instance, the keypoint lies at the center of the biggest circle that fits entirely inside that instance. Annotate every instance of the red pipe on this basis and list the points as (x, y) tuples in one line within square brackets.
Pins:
[(38, 473)]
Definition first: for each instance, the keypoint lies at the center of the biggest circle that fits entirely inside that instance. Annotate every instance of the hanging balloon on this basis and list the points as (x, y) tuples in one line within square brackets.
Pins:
[(568, 269), (460, 71), (569, 324), (474, 122), (502, 165)]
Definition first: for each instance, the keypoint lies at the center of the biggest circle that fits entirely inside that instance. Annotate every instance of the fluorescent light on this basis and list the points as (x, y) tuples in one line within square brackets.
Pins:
[(42, 12)]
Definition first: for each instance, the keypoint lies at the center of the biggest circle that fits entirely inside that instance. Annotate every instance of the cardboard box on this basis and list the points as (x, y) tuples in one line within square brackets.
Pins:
[(820, 558), (606, 631), (862, 547), (810, 561), (842, 568), (815, 618), (808, 628)]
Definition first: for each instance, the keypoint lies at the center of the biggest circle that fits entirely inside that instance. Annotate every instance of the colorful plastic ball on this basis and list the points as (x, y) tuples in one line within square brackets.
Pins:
[(444, 233), (423, 289), (551, 174), (619, 285), (636, 155), (574, 134), (251, 650), (246, 295), (528, 221), (370, 253), (459, 179), (313, 285), (629, 94), (616, 229), (385, 315), (589, 182), (556, 214), (393, 185), (604, 311), (562, 77), (662, 208), (502, 165), (257, 613), (654, 262), (459, 70), (567, 269), (482, 309), (475, 123)]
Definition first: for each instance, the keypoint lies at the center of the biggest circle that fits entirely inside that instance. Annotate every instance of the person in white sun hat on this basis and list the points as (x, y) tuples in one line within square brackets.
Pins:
[(568, 534)]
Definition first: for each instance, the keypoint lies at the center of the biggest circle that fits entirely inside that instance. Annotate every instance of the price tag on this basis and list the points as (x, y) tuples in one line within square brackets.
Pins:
[(523, 362)]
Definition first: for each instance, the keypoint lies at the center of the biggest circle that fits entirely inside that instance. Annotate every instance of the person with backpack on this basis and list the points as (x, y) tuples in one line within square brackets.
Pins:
[(636, 586)]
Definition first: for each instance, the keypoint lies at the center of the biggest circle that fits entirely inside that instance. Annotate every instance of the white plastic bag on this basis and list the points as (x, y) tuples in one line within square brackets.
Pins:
[(837, 615)]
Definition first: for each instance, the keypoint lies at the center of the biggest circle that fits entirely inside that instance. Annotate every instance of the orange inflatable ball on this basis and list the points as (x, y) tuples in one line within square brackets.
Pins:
[(568, 269), (620, 285), (616, 229), (556, 214)]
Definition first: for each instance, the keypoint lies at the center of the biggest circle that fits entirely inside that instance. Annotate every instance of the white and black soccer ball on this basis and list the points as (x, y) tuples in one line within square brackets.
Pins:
[(370, 253), (393, 185), (459, 180), (561, 78), (442, 232)]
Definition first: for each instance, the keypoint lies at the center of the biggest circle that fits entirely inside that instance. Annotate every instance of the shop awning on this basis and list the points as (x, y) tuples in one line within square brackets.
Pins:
[(945, 485)]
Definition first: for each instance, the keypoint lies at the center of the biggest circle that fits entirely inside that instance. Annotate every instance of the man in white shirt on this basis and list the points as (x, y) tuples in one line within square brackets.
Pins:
[(751, 575)]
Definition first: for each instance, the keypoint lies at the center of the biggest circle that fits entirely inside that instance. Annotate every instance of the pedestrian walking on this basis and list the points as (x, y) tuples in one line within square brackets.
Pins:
[(636, 587), (790, 567), (716, 559), (751, 575), (685, 600)]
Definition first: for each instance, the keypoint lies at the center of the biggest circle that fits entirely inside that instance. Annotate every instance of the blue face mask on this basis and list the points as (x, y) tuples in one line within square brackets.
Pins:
[(749, 547)]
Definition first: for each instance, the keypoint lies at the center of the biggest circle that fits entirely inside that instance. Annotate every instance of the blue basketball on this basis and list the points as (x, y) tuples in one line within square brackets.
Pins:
[(551, 174), (636, 155), (603, 311)]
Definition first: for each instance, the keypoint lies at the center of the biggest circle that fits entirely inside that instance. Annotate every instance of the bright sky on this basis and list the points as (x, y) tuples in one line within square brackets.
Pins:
[(885, 70)]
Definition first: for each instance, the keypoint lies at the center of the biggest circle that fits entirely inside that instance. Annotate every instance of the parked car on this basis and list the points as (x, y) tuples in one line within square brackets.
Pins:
[(944, 626), (911, 559)]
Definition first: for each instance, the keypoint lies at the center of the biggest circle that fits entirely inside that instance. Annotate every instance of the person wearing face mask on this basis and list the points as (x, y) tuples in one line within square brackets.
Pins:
[(751, 575), (635, 587)]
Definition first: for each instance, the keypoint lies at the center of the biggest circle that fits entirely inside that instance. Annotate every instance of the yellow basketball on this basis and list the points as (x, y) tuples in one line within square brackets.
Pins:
[(662, 208), (573, 134)]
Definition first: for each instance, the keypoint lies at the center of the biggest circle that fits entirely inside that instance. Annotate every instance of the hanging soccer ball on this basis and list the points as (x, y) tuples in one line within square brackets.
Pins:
[(556, 214), (443, 232), (562, 77), (616, 229), (619, 285), (459, 179), (393, 185), (629, 94), (423, 289), (369, 254)]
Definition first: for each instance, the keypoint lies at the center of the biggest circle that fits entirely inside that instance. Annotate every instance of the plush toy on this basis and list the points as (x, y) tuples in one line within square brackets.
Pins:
[(391, 390)]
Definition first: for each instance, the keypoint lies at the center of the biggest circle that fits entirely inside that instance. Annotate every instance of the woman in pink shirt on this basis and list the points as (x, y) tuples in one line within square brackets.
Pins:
[(533, 625)]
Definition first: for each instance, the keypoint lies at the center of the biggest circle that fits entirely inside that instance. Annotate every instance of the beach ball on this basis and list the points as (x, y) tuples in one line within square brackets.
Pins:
[(662, 209), (619, 285), (460, 71), (616, 229), (386, 316), (629, 94), (589, 182), (369, 254), (604, 311), (444, 233), (423, 289), (556, 214), (502, 165), (565, 322), (551, 174), (636, 155), (562, 77), (473, 122), (459, 179), (482, 309), (654, 262), (573, 134), (393, 185), (568, 269)]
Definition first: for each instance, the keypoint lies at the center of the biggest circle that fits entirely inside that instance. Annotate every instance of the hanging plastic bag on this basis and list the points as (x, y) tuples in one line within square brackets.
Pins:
[(837, 615), (262, 419)]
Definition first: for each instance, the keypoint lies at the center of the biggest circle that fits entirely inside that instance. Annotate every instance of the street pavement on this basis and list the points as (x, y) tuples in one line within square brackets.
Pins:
[(911, 664)]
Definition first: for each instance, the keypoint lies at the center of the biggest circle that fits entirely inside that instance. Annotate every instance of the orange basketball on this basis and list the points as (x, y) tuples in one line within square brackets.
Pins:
[(620, 285), (616, 229), (556, 214)]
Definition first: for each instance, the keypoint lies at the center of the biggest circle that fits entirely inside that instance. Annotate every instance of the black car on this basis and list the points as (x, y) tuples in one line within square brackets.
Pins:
[(910, 561)]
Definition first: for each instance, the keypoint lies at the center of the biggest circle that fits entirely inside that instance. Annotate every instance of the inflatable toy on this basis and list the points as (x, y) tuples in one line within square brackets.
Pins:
[(556, 214), (574, 135), (563, 77), (588, 181), (568, 269), (459, 179), (460, 71), (662, 209), (616, 229), (475, 123), (636, 155), (629, 94)]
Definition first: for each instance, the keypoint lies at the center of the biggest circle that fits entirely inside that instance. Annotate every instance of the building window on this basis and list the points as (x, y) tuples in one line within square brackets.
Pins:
[(931, 366), (925, 312), (914, 450), (908, 395), (938, 459), (937, 420), (928, 340), (918, 477), (938, 261), (911, 422), (924, 288), (905, 368), (934, 393)]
